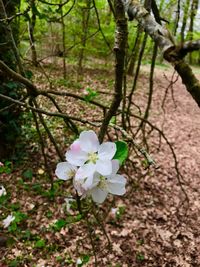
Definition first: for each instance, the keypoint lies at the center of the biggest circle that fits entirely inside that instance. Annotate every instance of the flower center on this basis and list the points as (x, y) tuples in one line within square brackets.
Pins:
[(70, 174), (103, 182), (92, 157)]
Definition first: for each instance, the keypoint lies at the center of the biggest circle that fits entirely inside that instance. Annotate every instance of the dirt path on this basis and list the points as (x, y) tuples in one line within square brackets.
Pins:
[(160, 230)]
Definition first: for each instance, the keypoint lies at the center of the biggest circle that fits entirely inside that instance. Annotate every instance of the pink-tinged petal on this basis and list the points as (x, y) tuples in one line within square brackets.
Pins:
[(104, 167), (89, 141), (116, 185), (85, 171), (65, 170), (77, 158), (98, 195), (107, 151), (75, 146)]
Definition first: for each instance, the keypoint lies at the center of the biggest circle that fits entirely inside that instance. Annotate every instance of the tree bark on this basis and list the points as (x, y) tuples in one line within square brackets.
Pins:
[(185, 18), (85, 24), (164, 40), (119, 48), (194, 8), (31, 28)]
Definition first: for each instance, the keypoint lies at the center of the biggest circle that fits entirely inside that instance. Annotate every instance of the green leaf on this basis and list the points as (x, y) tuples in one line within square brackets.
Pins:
[(122, 151), (14, 263), (28, 174), (91, 94), (59, 224), (83, 5), (113, 120), (85, 258), (12, 227), (28, 74), (20, 216), (11, 85), (40, 243)]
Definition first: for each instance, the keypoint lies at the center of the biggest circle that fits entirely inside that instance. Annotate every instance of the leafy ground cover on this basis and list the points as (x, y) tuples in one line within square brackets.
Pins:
[(154, 224)]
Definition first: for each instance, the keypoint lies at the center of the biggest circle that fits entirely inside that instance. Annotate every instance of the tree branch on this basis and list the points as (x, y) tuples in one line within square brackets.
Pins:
[(120, 46), (164, 40), (17, 77)]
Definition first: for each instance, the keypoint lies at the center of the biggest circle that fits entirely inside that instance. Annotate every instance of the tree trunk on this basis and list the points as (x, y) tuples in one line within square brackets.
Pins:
[(185, 18), (85, 24), (31, 27), (9, 115), (194, 8), (63, 41)]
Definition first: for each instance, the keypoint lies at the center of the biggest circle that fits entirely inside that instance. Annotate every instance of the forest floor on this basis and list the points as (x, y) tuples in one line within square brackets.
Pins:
[(157, 222)]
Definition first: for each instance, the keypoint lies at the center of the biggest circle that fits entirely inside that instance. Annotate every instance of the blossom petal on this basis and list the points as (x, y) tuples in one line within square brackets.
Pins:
[(115, 166), (65, 170), (85, 171), (76, 157), (89, 141), (98, 195), (96, 179), (107, 151), (116, 185), (2, 191), (83, 180), (104, 167), (7, 221), (75, 146)]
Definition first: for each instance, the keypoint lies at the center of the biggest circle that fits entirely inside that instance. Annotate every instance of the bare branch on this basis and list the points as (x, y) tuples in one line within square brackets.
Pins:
[(17, 77), (120, 46), (53, 114)]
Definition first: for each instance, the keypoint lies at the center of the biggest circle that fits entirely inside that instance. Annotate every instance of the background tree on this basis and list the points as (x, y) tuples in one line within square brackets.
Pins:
[(9, 114)]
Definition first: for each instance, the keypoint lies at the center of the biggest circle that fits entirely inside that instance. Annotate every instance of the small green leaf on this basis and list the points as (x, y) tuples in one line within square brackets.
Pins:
[(122, 151), (12, 227), (91, 94), (28, 174), (28, 74), (85, 259), (59, 224), (140, 257), (113, 120), (40, 243)]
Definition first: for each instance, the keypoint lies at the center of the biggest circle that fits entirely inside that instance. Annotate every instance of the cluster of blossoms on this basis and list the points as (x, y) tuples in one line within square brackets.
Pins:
[(92, 168)]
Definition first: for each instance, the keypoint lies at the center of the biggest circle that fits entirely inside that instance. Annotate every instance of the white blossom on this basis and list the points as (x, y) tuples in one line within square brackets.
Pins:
[(102, 185), (65, 170), (87, 151), (79, 262), (2, 191), (92, 169), (7, 221), (114, 211)]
